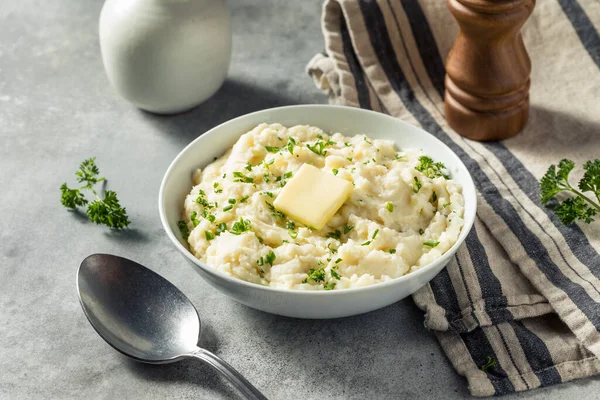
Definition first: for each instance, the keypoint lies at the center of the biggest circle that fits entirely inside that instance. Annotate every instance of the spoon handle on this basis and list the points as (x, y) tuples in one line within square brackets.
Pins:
[(235, 377)]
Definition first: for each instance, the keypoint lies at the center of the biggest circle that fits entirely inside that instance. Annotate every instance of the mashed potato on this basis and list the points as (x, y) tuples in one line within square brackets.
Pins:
[(403, 214)]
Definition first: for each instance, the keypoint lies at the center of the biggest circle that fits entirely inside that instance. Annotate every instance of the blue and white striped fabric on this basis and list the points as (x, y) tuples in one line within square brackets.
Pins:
[(519, 305)]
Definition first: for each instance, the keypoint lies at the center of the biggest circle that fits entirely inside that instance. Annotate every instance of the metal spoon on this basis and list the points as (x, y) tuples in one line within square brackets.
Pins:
[(144, 316)]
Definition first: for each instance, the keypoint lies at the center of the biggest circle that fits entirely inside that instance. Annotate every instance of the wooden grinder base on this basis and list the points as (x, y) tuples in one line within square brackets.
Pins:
[(487, 70)]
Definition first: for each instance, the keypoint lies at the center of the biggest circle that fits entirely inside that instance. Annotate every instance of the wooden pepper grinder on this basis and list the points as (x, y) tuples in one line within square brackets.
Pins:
[(487, 70)]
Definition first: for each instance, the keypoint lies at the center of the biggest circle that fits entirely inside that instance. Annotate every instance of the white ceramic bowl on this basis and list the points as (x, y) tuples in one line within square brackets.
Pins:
[(177, 183)]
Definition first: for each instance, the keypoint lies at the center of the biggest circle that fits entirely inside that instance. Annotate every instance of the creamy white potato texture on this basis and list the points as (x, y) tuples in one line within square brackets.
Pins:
[(403, 213)]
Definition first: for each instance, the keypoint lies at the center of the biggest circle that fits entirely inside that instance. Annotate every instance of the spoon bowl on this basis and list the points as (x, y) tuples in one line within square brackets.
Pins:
[(144, 316)]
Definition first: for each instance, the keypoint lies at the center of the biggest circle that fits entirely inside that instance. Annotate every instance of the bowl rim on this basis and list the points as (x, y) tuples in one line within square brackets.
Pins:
[(445, 258)]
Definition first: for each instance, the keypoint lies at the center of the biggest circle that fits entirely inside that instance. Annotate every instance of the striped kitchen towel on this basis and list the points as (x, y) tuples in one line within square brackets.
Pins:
[(519, 305)]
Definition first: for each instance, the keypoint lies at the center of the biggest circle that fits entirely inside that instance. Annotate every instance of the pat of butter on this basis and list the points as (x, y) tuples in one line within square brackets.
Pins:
[(313, 196)]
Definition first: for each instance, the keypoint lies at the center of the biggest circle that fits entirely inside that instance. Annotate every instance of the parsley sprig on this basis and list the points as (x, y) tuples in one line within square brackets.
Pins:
[(105, 211), (581, 207)]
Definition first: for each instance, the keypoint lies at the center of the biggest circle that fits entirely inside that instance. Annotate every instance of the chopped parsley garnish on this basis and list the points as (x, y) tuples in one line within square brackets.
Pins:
[(272, 149), (224, 176), (183, 228), (248, 167), (319, 136), (222, 227), (421, 231), (333, 251), (194, 219), (318, 148), (349, 159), (243, 199), (329, 286), (240, 227), (270, 194), (417, 186), (290, 145), (431, 243), (215, 186), (368, 242), (266, 178), (335, 171), (315, 275), (347, 144), (211, 218), (389, 206), (334, 273), (375, 234), (270, 258), (367, 140), (282, 178), (290, 225), (397, 156), (209, 235), (335, 234), (260, 261), (276, 213), (392, 251), (229, 207), (231, 201), (347, 229), (329, 143), (338, 261), (430, 168), (434, 197), (201, 199), (266, 164), (260, 240), (489, 364), (240, 177), (446, 204)]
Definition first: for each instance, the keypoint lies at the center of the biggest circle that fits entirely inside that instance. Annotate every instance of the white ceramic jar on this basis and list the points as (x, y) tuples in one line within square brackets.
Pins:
[(165, 56)]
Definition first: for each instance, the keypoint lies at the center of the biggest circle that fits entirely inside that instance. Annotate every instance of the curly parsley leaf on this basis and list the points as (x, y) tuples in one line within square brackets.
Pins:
[(71, 198), (581, 207), (105, 211), (108, 211), (88, 172)]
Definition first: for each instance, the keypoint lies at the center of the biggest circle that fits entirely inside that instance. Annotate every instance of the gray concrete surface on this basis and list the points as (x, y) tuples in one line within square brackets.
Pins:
[(56, 109)]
